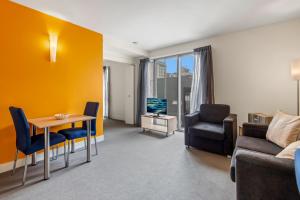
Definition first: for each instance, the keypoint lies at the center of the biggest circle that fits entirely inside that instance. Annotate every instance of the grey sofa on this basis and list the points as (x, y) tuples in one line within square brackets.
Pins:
[(257, 172), (213, 128)]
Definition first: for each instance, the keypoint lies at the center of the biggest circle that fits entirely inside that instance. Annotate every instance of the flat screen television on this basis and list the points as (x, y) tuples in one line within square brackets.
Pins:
[(157, 106)]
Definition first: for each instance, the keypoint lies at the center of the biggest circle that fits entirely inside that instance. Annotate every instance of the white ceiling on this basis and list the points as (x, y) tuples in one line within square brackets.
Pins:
[(159, 23)]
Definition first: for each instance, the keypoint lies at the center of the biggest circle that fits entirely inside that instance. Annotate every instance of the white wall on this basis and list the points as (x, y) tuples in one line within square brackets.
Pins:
[(252, 68), (119, 87)]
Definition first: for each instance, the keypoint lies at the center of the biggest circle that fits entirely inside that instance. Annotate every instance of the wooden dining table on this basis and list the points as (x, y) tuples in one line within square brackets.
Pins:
[(49, 122)]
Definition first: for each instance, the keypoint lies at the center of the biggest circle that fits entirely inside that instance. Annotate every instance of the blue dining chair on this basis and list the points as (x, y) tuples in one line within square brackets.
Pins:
[(30, 144), (91, 109)]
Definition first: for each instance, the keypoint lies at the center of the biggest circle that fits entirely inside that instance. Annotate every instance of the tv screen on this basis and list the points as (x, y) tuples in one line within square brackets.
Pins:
[(157, 106)]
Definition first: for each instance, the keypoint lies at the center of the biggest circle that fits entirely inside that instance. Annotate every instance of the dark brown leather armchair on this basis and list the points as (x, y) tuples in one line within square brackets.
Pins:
[(213, 128)]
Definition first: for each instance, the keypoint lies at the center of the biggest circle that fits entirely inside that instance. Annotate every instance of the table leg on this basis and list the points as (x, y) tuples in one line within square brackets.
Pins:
[(88, 141), (33, 161), (46, 154), (73, 142)]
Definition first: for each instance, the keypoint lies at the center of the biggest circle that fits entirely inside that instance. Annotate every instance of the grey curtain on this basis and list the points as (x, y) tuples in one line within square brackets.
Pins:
[(106, 91), (202, 90), (142, 90)]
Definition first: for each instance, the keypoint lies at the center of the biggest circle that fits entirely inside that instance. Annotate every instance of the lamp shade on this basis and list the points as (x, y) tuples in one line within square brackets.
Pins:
[(295, 69), (53, 47)]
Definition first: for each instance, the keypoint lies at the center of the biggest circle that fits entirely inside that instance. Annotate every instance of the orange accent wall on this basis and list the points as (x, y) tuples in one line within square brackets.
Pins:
[(28, 79)]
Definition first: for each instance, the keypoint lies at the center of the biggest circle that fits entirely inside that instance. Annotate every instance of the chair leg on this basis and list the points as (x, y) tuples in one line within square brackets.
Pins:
[(25, 170), (53, 154), (96, 148), (65, 155), (68, 155), (85, 145), (56, 157), (15, 162)]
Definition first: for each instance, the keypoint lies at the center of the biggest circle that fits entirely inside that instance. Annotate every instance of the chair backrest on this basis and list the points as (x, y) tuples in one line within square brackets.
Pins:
[(91, 109), (214, 113), (22, 128)]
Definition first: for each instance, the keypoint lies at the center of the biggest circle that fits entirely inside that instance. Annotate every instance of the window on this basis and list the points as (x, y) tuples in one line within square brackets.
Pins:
[(186, 73), (166, 82), (172, 79)]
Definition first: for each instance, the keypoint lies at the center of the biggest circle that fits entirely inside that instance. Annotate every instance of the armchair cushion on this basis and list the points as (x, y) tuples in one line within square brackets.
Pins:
[(208, 130), (214, 113)]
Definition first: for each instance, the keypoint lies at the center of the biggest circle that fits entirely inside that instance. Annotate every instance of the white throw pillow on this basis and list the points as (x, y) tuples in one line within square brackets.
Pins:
[(289, 151), (284, 129)]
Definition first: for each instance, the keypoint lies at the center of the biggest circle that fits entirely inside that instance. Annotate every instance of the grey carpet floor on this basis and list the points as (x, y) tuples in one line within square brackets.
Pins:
[(130, 166)]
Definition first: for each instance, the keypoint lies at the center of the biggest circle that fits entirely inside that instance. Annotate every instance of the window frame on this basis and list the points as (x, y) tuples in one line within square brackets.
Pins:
[(178, 60)]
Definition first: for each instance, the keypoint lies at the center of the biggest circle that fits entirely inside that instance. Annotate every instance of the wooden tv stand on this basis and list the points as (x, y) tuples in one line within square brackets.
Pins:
[(163, 123)]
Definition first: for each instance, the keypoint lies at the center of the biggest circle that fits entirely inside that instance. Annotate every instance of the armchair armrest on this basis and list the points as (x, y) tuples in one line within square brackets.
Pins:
[(230, 128), (231, 118), (263, 176), (255, 130), (191, 119)]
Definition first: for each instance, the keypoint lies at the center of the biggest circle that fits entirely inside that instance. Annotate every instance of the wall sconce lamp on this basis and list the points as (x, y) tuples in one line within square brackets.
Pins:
[(53, 47)]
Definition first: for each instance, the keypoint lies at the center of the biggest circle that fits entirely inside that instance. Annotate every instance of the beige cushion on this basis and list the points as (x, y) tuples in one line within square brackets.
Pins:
[(289, 151), (283, 129)]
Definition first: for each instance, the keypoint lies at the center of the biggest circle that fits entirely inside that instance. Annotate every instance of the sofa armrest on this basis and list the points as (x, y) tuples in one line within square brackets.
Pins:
[(266, 161), (255, 130), (230, 128), (263, 176)]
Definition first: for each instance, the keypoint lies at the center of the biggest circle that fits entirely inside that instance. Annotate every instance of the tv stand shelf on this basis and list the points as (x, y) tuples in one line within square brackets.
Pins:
[(162, 123)]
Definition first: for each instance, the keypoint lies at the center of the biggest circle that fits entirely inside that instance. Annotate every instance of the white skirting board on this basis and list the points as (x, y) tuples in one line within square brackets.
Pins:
[(78, 145)]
